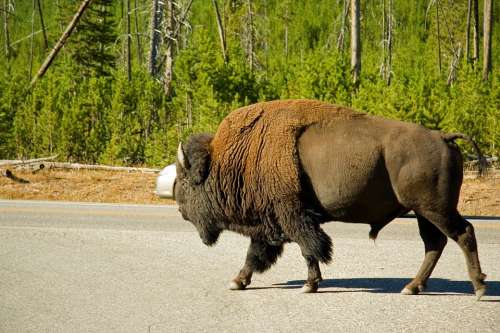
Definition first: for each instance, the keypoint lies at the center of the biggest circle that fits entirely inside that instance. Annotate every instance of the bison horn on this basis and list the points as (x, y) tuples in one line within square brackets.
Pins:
[(180, 156)]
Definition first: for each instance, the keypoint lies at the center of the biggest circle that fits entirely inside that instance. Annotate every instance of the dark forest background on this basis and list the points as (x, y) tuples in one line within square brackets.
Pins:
[(137, 76)]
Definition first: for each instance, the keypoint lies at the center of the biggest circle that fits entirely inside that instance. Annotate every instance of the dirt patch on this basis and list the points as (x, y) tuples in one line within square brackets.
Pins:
[(478, 197), (83, 186)]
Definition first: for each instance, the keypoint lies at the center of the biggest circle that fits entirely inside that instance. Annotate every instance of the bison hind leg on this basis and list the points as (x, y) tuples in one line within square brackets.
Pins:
[(454, 226), (434, 243)]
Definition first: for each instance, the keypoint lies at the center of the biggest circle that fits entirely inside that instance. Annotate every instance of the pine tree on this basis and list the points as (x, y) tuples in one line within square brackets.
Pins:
[(91, 48)]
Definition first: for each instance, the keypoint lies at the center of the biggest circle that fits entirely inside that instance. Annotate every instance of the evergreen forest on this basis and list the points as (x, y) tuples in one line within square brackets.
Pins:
[(136, 76)]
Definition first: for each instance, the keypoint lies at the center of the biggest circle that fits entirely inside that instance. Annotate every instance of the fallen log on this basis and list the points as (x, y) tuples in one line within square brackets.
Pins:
[(34, 165), (10, 175), (78, 166), (40, 168), (474, 161), (490, 173), (16, 163)]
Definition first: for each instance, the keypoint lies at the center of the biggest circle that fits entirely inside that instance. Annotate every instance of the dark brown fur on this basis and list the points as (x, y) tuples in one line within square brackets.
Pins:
[(275, 171)]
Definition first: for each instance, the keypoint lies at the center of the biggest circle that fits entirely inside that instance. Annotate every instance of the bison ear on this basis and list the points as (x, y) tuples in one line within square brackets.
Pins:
[(194, 157)]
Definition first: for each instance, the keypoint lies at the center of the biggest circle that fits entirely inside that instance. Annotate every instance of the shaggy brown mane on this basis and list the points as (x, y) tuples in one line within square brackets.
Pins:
[(266, 172)]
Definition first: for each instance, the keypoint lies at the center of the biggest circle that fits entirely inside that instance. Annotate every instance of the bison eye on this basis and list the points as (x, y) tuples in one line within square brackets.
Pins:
[(184, 184)]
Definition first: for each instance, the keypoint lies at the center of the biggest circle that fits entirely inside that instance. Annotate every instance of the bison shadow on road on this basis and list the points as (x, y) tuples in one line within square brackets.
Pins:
[(394, 285)]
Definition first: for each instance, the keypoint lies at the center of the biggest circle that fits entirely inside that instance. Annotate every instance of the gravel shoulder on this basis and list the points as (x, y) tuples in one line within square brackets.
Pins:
[(478, 196)]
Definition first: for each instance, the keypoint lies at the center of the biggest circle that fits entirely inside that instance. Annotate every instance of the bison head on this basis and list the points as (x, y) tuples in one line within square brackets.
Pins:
[(191, 191)]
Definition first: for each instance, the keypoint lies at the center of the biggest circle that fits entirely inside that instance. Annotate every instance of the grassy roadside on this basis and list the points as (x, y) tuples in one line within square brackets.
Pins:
[(478, 196), (83, 186)]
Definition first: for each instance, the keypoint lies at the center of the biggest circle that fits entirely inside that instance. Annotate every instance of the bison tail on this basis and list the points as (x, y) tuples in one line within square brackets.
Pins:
[(482, 163)]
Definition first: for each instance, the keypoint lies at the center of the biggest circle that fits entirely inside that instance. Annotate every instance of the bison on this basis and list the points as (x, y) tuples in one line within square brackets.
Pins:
[(275, 171)]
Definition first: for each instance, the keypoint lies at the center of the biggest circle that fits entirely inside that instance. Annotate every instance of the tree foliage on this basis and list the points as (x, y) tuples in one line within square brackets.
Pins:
[(85, 108)]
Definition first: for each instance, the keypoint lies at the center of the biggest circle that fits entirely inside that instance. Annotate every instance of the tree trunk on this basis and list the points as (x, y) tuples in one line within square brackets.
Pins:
[(155, 37), (266, 39), (355, 40), (40, 12), (438, 35), (182, 19), (475, 8), (488, 30), (452, 76), (286, 41), (250, 37), (180, 23), (172, 35), (467, 31), (32, 37), (6, 11), (69, 29), (341, 38), (387, 20), (169, 63), (137, 35), (127, 17), (222, 35), (390, 20)]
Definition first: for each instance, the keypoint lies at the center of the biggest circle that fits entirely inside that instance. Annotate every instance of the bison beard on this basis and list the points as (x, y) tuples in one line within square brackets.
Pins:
[(276, 171)]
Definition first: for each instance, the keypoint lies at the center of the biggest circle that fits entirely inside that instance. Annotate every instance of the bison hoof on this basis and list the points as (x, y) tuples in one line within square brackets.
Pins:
[(308, 289), (407, 291), (413, 290), (237, 285), (480, 293)]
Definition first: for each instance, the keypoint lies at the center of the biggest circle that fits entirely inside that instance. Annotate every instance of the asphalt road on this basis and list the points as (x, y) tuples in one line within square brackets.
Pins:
[(68, 267)]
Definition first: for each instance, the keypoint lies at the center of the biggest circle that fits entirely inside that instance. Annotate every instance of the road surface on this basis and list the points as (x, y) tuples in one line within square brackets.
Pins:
[(67, 267)]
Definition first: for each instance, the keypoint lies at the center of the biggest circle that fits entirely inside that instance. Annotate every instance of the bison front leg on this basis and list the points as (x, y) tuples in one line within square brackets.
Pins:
[(316, 246), (313, 276), (260, 257)]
